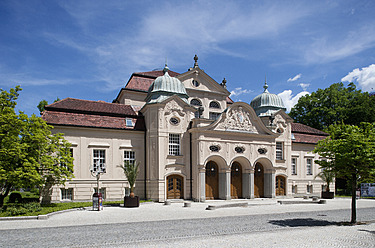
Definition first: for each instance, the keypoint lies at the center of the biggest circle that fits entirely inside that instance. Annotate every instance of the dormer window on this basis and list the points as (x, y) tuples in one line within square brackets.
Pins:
[(195, 102), (129, 122), (214, 104)]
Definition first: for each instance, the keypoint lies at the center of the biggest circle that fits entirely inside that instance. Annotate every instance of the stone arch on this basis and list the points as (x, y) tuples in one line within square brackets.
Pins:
[(240, 187), (215, 177)]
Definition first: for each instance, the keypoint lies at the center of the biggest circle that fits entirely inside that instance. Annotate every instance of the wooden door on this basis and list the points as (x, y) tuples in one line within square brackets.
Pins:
[(236, 181), (212, 181), (175, 187), (280, 185), (258, 181)]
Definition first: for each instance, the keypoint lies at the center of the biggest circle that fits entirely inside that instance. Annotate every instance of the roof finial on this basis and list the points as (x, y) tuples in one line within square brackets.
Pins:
[(265, 84), (166, 69), (196, 61), (224, 83)]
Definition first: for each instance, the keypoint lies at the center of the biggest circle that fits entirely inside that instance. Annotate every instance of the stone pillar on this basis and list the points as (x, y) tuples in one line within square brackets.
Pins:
[(227, 185), (273, 183), (202, 185), (248, 184)]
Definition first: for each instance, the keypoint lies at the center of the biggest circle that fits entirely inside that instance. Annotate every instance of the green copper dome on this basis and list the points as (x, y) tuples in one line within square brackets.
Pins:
[(164, 87), (266, 103)]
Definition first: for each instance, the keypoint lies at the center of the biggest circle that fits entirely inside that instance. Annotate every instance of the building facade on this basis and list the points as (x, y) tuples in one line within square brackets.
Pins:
[(190, 140)]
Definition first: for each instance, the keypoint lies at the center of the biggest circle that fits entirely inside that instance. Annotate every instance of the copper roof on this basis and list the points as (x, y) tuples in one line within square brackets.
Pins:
[(306, 134)]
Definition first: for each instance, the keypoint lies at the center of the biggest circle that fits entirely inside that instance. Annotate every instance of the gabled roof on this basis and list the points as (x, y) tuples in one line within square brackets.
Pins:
[(84, 113), (307, 135), (92, 107)]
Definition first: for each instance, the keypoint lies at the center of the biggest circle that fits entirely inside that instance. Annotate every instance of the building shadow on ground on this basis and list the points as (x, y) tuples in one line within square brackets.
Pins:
[(302, 222)]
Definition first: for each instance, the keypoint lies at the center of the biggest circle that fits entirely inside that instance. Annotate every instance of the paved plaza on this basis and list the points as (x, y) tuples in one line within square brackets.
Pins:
[(264, 223)]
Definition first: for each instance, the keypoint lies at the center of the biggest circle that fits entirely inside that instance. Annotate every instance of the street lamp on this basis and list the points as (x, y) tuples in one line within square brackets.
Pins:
[(96, 171)]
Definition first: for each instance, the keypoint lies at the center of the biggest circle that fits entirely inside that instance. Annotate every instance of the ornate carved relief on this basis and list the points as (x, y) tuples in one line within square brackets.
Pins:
[(280, 123), (173, 107), (237, 119)]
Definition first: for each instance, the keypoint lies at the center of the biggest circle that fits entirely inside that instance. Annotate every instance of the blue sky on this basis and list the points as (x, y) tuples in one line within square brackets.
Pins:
[(89, 49)]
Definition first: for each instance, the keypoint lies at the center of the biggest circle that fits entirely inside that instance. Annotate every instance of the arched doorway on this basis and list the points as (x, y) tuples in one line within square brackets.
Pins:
[(280, 185), (175, 187), (212, 181), (258, 181), (236, 181)]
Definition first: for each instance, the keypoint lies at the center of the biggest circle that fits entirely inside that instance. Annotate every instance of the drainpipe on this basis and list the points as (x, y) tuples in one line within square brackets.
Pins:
[(145, 162)]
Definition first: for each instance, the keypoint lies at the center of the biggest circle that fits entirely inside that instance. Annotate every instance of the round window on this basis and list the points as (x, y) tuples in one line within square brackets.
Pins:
[(239, 149), (174, 121), (214, 148), (195, 83), (262, 150)]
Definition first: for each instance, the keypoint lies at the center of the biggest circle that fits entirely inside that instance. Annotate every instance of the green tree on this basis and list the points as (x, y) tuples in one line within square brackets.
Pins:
[(349, 152), (334, 104), (43, 103), (30, 155), (131, 172)]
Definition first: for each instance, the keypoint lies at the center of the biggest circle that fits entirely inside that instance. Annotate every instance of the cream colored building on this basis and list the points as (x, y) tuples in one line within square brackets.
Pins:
[(190, 139)]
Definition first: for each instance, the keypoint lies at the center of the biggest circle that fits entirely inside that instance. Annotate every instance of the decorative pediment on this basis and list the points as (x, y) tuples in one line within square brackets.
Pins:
[(173, 107), (279, 121), (237, 119)]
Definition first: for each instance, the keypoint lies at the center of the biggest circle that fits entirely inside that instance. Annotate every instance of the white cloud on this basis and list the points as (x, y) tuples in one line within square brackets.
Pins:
[(290, 100), (304, 86), (298, 76), (239, 91), (365, 77)]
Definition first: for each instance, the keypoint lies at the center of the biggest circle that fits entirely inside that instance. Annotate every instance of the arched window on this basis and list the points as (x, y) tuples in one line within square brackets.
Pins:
[(195, 102), (214, 104)]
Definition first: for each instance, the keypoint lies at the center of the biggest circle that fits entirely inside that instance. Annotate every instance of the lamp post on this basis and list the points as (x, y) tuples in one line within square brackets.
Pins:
[(96, 171)]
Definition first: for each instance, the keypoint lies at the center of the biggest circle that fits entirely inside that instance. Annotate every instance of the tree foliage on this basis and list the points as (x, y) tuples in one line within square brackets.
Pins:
[(349, 152), (334, 104), (30, 155)]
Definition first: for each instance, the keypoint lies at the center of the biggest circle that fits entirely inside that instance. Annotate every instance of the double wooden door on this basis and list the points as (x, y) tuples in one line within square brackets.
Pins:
[(236, 181), (175, 187), (259, 181), (212, 181), (280, 185)]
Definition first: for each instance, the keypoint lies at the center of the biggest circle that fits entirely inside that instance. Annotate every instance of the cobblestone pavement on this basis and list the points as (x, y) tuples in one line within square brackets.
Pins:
[(263, 224), (237, 231)]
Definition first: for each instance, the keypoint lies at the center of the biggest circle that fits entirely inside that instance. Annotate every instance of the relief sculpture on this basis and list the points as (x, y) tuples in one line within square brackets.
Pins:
[(237, 119)]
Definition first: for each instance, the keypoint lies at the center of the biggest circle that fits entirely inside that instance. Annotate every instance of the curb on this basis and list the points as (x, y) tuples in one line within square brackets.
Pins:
[(40, 217)]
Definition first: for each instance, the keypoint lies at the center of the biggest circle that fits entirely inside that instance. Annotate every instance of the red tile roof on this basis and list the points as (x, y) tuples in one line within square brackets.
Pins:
[(87, 120), (92, 107), (306, 134), (84, 113), (142, 80)]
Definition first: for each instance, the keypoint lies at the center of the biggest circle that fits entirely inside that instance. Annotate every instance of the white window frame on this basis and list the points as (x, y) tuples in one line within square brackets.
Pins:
[(129, 156), (294, 166), (98, 160), (174, 143), (66, 194), (309, 166), (279, 151), (129, 122)]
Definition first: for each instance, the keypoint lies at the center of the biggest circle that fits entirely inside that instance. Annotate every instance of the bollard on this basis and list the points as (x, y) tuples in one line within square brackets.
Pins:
[(187, 204)]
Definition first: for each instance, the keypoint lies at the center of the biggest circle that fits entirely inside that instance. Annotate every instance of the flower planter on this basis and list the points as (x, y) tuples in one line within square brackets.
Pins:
[(131, 202), (328, 195)]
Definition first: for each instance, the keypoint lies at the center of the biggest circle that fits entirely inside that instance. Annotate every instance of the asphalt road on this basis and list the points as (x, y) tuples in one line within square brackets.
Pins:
[(190, 232)]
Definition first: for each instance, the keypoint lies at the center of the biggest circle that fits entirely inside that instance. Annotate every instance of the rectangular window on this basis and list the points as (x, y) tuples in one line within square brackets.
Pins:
[(214, 115), (174, 144), (63, 164), (101, 190), (129, 156), (279, 151), (309, 189), (294, 166), (309, 166), (294, 189), (99, 161), (66, 194)]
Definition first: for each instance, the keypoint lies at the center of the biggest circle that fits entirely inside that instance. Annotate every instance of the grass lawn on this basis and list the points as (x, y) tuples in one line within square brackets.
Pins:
[(34, 208)]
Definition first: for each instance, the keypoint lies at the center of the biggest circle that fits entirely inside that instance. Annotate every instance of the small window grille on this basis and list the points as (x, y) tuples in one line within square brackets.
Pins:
[(174, 121), (214, 148), (279, 151), (239, 149), (195, 83), (195, 102), (214, 104), (174, 144)]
